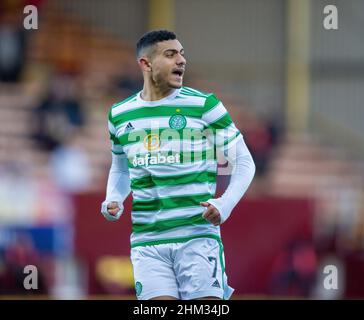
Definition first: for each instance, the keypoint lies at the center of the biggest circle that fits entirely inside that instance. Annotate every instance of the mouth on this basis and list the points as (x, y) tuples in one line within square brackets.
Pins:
[(178, 72)]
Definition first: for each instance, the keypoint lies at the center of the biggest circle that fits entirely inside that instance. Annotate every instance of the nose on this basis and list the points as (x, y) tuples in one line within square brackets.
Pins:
[(181, 60)]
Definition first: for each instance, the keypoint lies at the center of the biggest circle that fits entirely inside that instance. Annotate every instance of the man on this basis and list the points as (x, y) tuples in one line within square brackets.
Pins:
[(164, 140)]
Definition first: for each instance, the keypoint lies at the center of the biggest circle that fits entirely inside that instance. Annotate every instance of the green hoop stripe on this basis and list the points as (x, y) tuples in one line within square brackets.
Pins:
[(231, 138), (117, 153), (173, 180), (190, 92), (170, 202), (124, 101), (168, 224), (157, 111), (223, 122)]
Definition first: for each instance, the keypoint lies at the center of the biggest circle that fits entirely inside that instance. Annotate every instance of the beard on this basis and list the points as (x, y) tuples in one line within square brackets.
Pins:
[(164, 81), (174, 86)]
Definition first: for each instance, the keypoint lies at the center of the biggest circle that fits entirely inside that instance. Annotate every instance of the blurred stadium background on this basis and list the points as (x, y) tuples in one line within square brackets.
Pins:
[(294, 89)]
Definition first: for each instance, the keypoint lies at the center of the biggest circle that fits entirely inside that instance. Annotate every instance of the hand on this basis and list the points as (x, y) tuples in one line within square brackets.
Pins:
[(112, 210), (211, 214)]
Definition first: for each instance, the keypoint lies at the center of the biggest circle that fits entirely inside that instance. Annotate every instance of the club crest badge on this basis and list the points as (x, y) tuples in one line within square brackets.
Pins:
[(178, 122)]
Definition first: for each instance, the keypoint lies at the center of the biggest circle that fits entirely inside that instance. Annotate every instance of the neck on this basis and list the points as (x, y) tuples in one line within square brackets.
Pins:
[(151, 92)]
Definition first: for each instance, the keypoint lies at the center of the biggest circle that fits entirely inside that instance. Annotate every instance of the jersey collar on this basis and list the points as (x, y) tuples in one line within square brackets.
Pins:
[(157, 102)]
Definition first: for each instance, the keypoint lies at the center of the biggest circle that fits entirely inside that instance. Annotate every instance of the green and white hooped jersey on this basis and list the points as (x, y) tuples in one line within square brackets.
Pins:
[(171, 148)]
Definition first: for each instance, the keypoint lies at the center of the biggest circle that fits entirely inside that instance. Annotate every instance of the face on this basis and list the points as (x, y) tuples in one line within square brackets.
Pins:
[(168, 64)]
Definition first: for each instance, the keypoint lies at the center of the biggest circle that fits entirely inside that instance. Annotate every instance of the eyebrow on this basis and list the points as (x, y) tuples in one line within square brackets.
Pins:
[(173, 50)]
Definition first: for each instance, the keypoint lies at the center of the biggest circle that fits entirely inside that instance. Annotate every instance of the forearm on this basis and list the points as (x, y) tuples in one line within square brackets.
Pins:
[(243, 170), (118, 188), (118, 183)]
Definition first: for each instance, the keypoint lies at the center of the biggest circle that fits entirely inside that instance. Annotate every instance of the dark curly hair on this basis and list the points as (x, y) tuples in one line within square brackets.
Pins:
[(153, 37)]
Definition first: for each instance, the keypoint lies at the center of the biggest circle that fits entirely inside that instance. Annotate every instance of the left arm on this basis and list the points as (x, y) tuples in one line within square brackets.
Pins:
[(238, 155), (227, 138)]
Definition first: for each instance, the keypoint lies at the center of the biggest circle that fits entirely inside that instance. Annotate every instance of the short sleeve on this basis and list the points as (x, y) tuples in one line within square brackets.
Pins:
[(219, 123), (116, 147)]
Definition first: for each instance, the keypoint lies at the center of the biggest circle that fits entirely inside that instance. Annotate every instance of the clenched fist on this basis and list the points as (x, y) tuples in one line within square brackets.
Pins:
[(112, 210), (211, 214)]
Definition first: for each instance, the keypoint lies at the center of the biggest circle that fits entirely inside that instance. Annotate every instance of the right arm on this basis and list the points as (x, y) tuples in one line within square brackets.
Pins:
[(118, 183), (118, 188)]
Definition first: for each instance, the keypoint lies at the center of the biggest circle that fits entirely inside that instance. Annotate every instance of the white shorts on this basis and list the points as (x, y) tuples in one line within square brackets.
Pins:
[(187, 270)]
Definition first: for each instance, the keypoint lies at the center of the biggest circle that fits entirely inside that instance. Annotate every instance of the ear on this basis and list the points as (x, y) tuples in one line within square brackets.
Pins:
[(145, 64)]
